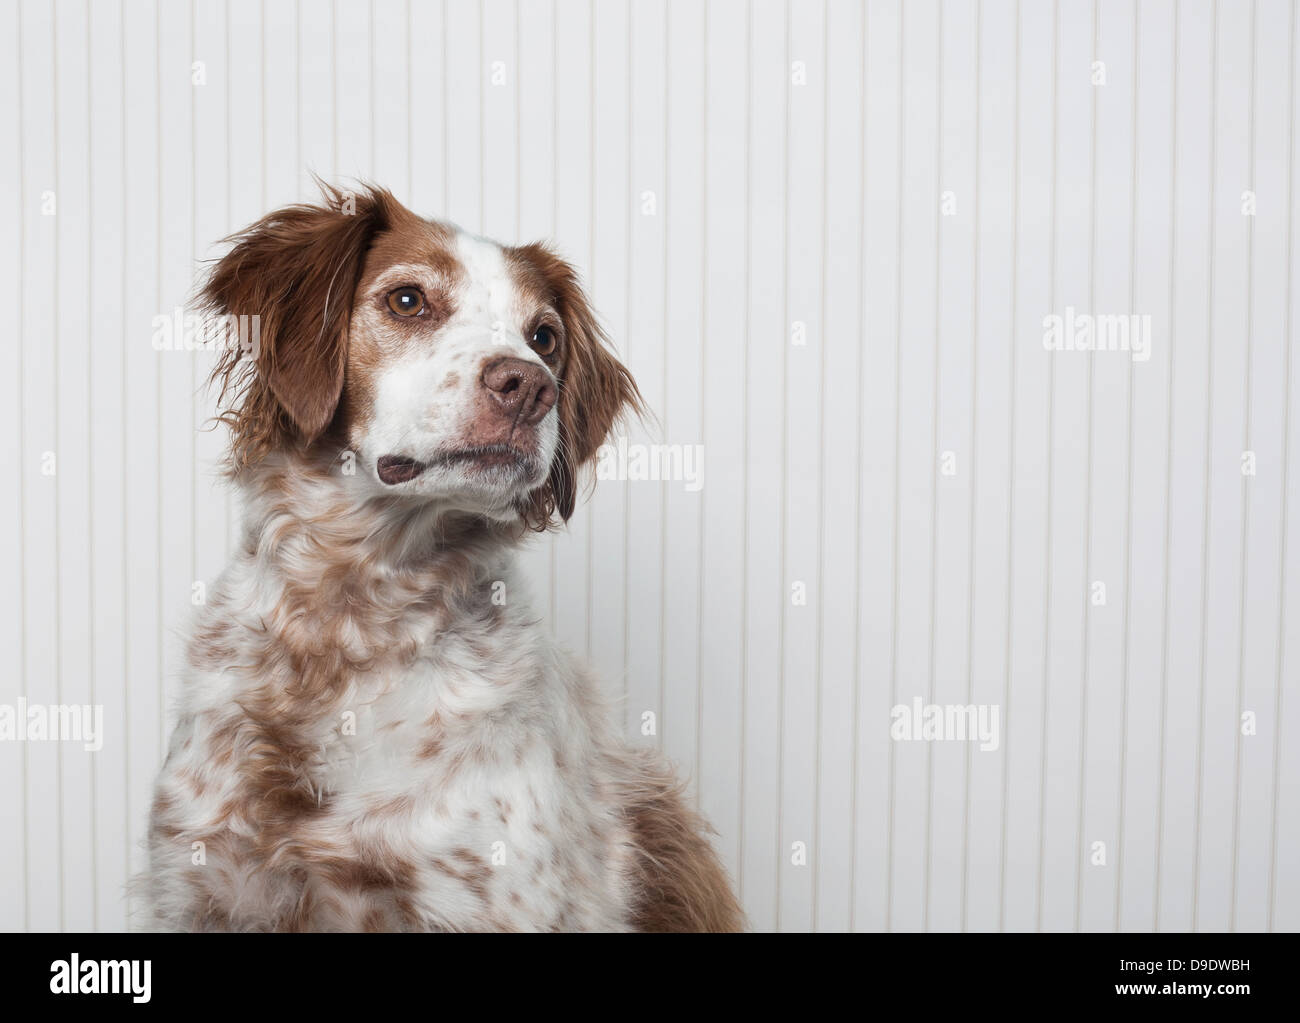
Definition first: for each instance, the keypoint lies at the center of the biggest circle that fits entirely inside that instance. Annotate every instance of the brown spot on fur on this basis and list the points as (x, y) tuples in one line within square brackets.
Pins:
[(474, 877), (194, 781), (354, 875), (469, 856), (163, 804), (276, 771)]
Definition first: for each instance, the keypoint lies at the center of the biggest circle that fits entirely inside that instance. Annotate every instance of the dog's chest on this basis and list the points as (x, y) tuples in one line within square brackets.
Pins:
[(472, 797), (458, 783)]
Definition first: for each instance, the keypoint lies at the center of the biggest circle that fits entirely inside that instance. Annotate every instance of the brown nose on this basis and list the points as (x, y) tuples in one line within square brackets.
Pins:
[(524, 390)]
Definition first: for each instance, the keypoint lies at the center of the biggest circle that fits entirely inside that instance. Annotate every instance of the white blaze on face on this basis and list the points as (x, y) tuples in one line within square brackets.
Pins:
[(488, 295)]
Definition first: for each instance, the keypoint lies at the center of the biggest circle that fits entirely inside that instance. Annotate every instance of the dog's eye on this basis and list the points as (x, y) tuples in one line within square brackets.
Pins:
[(544, 341), (406, 302)]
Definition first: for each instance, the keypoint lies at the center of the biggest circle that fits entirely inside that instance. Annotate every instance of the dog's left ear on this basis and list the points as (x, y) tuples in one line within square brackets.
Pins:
[(595, 388)]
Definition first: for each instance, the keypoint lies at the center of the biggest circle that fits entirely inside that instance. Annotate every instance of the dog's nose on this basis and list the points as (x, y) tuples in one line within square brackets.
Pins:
[(524, 390)]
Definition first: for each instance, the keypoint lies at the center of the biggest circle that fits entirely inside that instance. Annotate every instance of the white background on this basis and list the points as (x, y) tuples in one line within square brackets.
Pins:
[(797, 154)]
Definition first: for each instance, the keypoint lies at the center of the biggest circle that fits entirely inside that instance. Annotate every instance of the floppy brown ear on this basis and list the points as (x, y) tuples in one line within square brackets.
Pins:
[(296, 271), (595, 388)]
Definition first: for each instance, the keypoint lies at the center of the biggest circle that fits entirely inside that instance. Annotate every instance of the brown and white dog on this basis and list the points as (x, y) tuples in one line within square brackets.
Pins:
[(367, 739)]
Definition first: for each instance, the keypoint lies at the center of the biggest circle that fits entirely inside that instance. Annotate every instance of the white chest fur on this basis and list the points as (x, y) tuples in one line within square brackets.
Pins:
[(453, 775)]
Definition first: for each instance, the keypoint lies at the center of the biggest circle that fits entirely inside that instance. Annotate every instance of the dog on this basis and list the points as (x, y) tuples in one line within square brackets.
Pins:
[(374, 732)]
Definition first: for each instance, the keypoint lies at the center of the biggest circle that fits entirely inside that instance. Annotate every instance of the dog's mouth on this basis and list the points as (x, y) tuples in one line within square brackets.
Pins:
[(395, 469)]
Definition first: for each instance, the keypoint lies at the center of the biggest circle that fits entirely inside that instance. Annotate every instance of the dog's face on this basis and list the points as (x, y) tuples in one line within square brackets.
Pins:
[(453, 369), (444, 366)]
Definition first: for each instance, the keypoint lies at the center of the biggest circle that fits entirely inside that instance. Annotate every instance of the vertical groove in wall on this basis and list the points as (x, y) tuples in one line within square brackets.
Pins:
[(898, 419), (482, 132), (823, 340), (857, 488), (1209, 465), (158, 374), (1169, 471), (1245, 480), (1086, 624), (334, 85), (743, 651), (1051, 434), (410, 111), (629, 200), (591, 272), (228, 496), (194, 257), (297, 90), (785, 462), (976, 266), (58, 517), (704, 390), (661, 697), (934, 476), (1286, 473), (519, 117), (126, 518), (1011, 485), (446, 116), (553, 582), (262, 70), (22, 443), (1122, 795), (91, 660), (372, 170)]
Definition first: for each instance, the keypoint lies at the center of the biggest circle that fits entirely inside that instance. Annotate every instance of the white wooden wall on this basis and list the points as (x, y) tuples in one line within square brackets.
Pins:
[(798, 155)]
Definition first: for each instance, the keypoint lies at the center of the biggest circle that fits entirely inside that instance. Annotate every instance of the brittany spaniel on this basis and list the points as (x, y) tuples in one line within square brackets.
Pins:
[(375, 732)]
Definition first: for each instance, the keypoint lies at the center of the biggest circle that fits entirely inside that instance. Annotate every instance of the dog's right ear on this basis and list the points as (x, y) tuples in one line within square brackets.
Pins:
[(295, 271)]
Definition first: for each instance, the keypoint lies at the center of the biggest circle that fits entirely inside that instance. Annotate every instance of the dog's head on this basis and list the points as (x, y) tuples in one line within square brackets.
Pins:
[(446, 366)]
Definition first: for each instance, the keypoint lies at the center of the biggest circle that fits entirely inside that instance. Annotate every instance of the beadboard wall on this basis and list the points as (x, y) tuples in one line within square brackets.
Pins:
[(830, 239)]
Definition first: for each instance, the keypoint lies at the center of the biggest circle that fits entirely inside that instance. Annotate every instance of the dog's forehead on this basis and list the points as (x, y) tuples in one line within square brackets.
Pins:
[(488, 285), (485, 279), (412, 240)]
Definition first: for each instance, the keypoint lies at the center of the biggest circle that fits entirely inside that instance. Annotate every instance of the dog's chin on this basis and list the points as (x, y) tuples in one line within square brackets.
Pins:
[(490, 479)]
